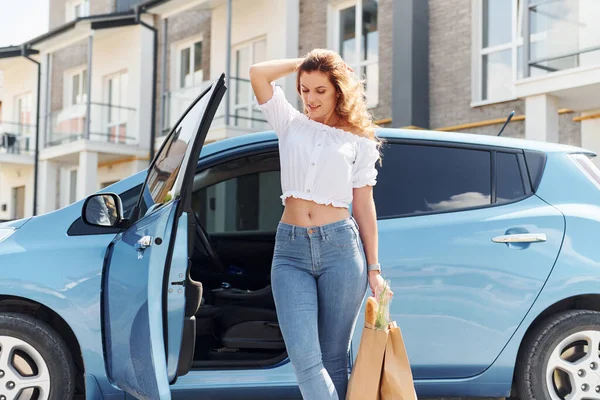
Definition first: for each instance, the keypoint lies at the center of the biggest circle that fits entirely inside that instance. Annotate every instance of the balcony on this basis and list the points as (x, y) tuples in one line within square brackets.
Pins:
[(17, 142), (108, 124), (562, 52), (244, 116)]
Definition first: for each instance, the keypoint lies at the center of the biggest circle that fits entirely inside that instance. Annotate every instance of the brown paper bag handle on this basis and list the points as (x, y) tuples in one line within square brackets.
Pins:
[(372, 326)]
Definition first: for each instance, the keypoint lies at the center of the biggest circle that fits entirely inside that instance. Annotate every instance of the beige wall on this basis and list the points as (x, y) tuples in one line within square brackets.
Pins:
[(63, 60), (19, 79), (12, 176), (56, 13), (58, 10)]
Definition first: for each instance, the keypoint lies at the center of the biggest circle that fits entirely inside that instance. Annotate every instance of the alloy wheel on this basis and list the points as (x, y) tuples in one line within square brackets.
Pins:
[(24, 374), (573, 369)]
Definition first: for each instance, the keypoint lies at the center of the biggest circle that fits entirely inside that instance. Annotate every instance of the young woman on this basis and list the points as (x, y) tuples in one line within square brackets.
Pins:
[(323, 257)]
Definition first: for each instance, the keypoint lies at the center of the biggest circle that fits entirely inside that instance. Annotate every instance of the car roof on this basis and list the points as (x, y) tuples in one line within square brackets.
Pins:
[(417, 135)]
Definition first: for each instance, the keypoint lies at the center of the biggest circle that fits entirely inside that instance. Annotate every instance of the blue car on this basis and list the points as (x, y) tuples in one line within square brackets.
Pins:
[(158, 286)]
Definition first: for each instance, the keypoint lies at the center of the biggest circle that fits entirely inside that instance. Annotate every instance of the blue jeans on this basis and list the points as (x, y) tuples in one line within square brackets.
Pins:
[(319, 281)]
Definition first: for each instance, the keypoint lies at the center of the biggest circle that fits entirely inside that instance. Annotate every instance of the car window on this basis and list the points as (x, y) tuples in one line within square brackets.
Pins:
[(509, 180), (129, 199), (240, 195), (163, 173), (418, 179)]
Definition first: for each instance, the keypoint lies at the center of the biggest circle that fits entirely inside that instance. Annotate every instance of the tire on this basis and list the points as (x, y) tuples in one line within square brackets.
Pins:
[(37, 351), (558, 359)]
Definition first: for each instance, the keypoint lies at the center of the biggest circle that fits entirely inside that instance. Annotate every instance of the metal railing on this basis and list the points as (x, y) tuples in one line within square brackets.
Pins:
[(243, 108), (17, 138), (108, 123), (560, 35)]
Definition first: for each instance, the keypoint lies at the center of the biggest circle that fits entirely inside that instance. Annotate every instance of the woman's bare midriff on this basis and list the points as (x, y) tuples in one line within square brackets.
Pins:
[(307, 213)]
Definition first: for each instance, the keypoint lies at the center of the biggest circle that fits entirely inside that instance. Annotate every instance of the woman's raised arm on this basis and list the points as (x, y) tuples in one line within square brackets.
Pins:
[(262, 74)]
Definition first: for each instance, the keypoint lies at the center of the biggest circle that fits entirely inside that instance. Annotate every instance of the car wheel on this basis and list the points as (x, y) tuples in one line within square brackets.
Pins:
[(561, 359), (35, 363)]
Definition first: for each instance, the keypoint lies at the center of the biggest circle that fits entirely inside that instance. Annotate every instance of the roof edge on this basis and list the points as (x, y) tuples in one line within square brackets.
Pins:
[(16, 50)]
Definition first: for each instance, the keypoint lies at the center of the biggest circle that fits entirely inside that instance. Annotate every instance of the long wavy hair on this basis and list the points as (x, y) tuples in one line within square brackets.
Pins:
[(351, 103)]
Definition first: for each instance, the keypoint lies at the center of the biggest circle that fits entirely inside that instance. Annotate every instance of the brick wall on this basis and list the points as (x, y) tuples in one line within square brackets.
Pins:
[(180, 27), (63, 60), (56, 13), (450, 78), (313, 34)]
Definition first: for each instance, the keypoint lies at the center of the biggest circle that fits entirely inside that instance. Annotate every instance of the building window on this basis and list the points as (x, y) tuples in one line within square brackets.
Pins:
[(24, 111), (354, 34), (243, 112), (72, 186), (240, 195), (77, 9), (190, 65), (77, 87), (498, 48), (19, 138), (116, 108)]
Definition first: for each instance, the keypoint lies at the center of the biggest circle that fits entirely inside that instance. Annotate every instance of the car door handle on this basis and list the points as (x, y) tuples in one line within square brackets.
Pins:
[(143, 243), (520, 238)]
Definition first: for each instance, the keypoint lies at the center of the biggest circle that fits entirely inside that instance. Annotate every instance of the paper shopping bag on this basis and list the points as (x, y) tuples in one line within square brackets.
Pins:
[(367, 370), (396, 379)]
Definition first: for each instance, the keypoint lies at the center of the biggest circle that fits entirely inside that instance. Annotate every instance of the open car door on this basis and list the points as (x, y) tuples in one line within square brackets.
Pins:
[(145, 279)]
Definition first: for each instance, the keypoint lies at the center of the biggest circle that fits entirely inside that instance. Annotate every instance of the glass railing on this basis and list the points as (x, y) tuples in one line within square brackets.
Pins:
[(243, 112), (563, 34), (108, 123), (17, 138)]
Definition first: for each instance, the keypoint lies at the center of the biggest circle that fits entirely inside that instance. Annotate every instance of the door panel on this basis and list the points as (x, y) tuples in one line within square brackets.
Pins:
[(459, 296), (132, 298), (19, 202), (176, 296), (142, 302)]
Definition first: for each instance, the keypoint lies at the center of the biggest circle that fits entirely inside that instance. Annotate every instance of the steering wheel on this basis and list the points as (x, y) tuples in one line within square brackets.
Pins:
[(203, 235)]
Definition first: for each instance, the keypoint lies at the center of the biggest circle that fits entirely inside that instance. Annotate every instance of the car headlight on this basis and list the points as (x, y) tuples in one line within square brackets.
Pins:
[(5, 233)]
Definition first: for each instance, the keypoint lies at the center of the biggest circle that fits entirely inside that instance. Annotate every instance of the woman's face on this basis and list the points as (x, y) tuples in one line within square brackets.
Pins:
[(318, 95)]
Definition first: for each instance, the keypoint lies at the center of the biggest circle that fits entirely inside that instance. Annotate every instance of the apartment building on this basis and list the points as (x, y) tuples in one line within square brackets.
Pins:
[(478, 72), (98, 79), (107, 99), (458, 65)]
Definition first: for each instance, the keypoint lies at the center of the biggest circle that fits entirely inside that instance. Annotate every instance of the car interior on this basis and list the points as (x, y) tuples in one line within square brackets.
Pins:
[(236, 208)]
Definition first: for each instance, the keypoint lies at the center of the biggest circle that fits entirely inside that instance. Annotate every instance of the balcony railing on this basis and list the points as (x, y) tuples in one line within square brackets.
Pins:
[(108, 123), (17, 138), (560, 34), (243, 112)]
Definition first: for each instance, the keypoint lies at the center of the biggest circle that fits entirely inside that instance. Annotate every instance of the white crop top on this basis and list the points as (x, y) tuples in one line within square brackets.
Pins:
[(318, 162)]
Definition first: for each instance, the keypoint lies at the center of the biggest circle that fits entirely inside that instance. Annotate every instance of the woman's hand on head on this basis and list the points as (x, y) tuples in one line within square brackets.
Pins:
[(349, 68)]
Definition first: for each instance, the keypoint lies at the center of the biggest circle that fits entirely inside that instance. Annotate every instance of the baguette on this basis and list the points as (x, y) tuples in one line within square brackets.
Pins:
[(371, 310)]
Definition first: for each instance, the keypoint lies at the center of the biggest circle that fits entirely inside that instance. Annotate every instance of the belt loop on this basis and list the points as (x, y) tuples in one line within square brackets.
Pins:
[(322, 232), (293, 231)]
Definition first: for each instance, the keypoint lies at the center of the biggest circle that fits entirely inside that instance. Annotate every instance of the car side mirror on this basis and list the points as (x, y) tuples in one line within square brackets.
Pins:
[(103, 209)]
